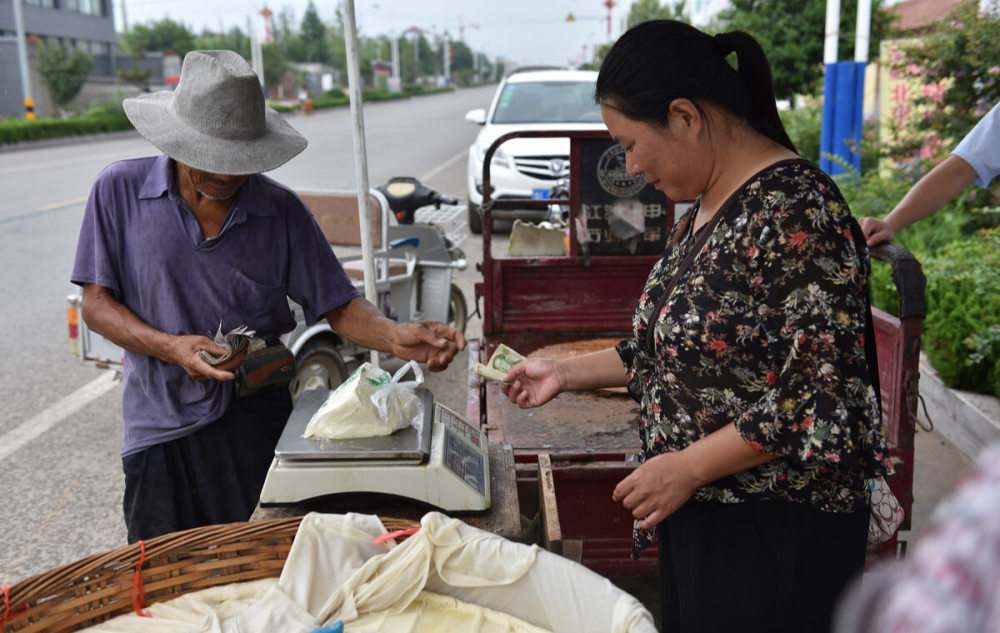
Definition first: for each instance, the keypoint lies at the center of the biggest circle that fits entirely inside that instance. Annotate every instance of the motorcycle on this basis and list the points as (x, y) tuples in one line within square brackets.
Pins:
[(422, 253)]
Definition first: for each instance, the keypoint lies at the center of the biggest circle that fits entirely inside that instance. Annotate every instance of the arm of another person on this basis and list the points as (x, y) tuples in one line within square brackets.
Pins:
[(535, 381), (932, 192), (429, 342), (110, 318)]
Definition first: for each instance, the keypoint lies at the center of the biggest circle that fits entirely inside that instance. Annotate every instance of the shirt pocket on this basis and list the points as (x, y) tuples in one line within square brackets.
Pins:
[(258, 306)]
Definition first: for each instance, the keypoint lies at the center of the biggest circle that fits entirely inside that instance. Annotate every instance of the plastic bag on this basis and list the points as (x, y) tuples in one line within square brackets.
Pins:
[(370, 403)]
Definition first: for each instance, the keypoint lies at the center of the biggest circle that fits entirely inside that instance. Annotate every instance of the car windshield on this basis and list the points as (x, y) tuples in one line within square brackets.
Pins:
[(548, 102)]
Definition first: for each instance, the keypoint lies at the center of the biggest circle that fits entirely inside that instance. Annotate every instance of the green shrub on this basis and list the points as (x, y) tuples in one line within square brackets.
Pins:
[(804, 126), (329, 102), (20, 130), (335, 93), (280, 107), (962, 328)]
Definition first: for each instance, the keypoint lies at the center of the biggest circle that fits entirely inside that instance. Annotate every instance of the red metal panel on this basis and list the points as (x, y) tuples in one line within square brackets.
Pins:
[(589, 514), (560, 294)]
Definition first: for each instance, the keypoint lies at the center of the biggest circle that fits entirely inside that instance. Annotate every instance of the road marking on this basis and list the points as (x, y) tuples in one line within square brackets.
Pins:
[(443, 166), (14, 440), (48, 165), (60, 205)]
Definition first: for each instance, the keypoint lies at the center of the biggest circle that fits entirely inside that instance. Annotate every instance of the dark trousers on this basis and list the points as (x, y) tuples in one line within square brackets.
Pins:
[(210, 477), (764, 566)]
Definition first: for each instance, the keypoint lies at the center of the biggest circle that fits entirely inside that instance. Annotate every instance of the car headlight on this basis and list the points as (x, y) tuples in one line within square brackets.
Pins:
[(500, 158)]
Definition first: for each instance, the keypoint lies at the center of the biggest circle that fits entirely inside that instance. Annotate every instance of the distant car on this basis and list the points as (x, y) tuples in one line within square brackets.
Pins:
[(529, 98)]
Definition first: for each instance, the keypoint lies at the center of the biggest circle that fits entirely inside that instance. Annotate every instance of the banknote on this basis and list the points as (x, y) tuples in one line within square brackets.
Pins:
[(235, 341), (500, 362)]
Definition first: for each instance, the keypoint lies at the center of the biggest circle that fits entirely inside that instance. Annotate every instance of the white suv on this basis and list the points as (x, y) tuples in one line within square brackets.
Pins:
[(529, 99)]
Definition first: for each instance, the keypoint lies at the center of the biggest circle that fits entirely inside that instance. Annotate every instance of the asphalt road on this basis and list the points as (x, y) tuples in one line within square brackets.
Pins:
[(60, 423)]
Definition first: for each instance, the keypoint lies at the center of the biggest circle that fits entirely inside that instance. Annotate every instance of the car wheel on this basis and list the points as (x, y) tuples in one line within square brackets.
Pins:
[(475, 219), (458, 310), (319, 366)]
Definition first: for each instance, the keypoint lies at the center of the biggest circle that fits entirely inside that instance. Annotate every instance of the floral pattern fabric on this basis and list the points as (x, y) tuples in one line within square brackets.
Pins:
[(766, 329)]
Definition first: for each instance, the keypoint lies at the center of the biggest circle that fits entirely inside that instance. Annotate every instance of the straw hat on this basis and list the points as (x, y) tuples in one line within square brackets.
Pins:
[(216, 120)]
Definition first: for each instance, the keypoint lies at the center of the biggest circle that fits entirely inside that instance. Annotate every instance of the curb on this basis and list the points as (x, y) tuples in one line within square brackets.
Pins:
[(66, 140), (970, 421)]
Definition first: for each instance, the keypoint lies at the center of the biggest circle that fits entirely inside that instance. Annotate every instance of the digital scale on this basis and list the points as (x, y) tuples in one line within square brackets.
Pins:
[(442, 462)]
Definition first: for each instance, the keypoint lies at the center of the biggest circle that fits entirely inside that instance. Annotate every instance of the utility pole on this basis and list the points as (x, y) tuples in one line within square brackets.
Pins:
[(124, 19), (446, 50), (610, 4), (22, 57)]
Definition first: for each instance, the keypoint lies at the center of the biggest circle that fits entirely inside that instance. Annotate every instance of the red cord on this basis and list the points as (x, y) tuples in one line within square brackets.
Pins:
[(138, 595), (378, 540), (6, 608)]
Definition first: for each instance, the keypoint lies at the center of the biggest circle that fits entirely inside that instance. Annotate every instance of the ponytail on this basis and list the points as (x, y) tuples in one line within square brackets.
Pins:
[(755, 74), (659, 61)]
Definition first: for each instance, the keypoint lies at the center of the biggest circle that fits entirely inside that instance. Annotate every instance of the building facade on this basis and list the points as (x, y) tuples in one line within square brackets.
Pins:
[(85, 24)]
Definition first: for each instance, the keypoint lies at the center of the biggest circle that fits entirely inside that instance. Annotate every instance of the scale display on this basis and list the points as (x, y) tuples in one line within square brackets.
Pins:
[(442, 462)]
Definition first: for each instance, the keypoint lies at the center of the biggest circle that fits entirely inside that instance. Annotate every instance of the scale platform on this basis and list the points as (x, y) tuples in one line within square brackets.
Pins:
[(442, 462)]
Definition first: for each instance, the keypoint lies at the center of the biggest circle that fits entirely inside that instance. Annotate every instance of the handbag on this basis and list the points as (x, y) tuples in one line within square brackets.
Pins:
[(886, 514)]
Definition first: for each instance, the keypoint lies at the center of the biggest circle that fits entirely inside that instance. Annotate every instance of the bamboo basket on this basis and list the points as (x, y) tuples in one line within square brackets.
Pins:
[(99, 587)]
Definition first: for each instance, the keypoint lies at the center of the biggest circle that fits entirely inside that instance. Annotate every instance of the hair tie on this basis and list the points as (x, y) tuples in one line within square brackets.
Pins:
[(725, 43)]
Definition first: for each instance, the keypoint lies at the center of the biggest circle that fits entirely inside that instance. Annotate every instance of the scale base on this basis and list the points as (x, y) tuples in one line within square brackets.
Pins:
[(453, 475)]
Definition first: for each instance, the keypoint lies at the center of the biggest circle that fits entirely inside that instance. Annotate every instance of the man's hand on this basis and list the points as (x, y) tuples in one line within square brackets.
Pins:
[(657, 489), (877, 231), (184, 351), (429, 342), (533, 382)]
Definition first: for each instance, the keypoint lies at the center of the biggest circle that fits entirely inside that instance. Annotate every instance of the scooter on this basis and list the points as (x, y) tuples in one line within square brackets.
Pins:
[(423, 251)]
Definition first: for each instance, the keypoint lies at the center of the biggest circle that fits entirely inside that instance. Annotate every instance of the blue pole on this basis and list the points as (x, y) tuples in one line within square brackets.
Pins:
[(843, 119), (859, 112), (829, 107)]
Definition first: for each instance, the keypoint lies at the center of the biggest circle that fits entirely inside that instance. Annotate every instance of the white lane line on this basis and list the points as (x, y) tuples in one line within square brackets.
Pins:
[(443, 166), (63, 162), (16, 439)]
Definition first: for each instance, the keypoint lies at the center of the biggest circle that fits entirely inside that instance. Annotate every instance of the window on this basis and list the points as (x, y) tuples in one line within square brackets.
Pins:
[(547, 102)]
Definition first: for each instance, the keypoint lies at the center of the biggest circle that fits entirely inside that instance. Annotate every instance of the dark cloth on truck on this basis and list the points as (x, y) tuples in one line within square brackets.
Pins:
[(211, 476)]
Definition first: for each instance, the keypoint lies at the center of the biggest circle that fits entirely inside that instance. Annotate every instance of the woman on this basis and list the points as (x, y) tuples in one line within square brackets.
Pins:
[(759, 423)]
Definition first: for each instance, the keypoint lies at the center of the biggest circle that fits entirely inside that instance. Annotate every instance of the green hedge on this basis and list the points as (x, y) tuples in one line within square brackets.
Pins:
[(20, 130)]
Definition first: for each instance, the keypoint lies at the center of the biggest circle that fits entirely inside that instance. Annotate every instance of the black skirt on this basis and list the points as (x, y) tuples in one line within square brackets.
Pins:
[(767, 566)]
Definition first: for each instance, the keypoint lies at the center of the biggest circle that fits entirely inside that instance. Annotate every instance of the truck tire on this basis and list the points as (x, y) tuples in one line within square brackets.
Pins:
[(458, 310), (318, 366), (475, 219)]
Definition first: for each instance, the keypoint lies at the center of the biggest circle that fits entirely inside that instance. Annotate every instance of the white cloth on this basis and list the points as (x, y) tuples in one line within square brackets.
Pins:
[(981, 147), (333, 572)]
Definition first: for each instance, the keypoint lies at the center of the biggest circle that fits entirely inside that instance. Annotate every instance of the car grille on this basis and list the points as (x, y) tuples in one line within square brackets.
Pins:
[(541, 166)]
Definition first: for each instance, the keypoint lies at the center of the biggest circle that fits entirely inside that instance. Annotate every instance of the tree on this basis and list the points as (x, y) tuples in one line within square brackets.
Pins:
[(63, 72), (646, 10), (137, 75), (316, 48), (791, 33), (161, 35), (961, 53), (234, 40)]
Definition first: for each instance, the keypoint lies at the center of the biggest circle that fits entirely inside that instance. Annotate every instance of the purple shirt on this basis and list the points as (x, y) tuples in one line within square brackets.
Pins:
[(140, 239)]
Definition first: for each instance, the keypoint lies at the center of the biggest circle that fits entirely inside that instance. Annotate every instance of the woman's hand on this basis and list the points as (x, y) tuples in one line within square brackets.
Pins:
[(657, 489), (533, 382)]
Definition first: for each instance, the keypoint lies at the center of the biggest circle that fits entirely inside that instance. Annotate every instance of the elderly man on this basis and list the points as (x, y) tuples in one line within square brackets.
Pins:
[(174, 243)]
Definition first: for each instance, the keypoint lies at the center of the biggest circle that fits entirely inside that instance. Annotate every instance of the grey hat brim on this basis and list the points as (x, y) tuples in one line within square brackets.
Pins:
[(155, 121)]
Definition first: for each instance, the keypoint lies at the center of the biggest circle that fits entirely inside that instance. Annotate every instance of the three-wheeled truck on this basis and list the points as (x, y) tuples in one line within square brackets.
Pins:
[(570, 454)]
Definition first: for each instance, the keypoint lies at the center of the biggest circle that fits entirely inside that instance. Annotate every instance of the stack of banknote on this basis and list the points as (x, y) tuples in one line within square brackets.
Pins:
[(235, 341), (500, 362)]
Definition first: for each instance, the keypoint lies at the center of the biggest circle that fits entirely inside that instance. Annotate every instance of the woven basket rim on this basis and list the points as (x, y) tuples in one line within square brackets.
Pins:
[(97, 587)]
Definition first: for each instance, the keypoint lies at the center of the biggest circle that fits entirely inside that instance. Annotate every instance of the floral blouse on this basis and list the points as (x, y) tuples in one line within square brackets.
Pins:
[(765, 329)]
